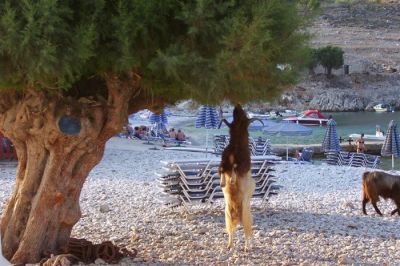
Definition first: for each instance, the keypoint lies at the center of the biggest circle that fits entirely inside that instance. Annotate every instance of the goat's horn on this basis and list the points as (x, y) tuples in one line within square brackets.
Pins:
[(255, 119), (225, 121)]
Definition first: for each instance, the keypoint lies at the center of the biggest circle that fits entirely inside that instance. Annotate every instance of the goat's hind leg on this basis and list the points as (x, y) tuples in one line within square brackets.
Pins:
[(376, 208), (230, 228), (247, 222), (247, 219), (397, 202)]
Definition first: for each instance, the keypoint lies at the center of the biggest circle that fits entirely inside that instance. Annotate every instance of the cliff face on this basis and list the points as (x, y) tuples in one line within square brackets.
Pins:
[(370, 36), (336, 100), (357, 92)]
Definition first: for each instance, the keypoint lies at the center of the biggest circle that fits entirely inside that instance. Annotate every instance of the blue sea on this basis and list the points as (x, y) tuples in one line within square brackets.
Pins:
[(347, 123)]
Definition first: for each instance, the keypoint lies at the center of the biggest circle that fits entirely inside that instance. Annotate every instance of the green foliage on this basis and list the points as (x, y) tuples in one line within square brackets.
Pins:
[(208, 50), (330, 57), (313, 60)]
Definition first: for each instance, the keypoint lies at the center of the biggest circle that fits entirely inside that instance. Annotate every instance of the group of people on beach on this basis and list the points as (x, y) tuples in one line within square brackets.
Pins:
[(178, 135), (141, 132)]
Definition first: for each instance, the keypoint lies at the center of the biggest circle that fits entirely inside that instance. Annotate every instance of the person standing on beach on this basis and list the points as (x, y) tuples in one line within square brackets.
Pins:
[(360, 142)]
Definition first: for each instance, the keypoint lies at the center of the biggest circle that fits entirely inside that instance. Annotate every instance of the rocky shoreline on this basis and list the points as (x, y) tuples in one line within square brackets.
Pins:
[(354, 92)]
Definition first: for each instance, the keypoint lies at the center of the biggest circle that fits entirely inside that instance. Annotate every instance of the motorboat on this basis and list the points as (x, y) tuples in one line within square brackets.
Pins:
[(367, 137), (310, 118), (383, 108), (283, 114), (258, 115)]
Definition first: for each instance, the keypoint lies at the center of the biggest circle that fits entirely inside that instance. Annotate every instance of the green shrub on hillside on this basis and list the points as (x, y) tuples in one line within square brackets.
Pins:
[(313, 60)]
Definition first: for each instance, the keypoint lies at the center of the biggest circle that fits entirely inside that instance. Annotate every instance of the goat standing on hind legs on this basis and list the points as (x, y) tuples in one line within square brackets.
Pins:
[(236, 181)]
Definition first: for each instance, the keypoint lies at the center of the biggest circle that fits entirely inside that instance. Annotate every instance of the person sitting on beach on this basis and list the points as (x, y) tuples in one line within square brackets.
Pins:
[(137, 133), (124, 132), (172, 133), (130, 131), (180, 135), (360, 142), (297, 155)]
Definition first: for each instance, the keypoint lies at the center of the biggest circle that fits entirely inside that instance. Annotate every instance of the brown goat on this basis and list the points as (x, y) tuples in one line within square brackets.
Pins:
[(236, 181), (380, 184)]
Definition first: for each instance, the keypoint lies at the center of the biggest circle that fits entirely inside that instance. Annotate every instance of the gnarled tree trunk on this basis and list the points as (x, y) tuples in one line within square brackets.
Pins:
[(52, 165)]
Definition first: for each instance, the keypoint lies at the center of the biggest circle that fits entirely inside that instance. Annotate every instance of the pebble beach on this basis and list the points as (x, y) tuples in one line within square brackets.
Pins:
[(315, 219)]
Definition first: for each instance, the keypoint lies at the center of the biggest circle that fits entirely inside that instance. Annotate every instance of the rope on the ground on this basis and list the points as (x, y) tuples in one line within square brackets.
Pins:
[(85, 251)]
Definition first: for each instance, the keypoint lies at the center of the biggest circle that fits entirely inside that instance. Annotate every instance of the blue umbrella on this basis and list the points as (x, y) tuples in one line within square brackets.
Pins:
[(286, 128), (207, 117), (391, 146), (159, 120), (331, 141)]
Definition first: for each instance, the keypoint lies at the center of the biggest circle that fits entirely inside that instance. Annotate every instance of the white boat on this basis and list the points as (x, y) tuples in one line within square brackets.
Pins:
[(285, 113), (274, 114), (367, 137), (258, 115), (383, 108), (310, 118)]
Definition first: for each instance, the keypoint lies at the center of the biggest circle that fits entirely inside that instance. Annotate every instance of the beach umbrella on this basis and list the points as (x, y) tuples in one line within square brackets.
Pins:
[(159, 121), (158, 118), (207, 117), (331, 140), (391, 146), (288, 129)]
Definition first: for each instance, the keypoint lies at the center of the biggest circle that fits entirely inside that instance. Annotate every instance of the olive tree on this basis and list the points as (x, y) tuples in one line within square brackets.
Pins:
[(330, 57), (88, 64)]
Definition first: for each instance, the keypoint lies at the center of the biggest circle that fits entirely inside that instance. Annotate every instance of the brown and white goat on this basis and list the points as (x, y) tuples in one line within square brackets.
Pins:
[(380, 184), (236, 181)]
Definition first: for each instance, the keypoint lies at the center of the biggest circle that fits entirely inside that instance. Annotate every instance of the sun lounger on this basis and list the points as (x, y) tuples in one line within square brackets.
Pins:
[(352, 159), (197, 180), (259, 146)]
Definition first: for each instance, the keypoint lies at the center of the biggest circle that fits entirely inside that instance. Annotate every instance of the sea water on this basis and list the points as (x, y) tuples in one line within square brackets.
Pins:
[(347, 123)]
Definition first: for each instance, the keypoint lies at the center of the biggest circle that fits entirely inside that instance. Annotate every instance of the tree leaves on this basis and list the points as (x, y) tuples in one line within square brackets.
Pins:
[(209, 50)]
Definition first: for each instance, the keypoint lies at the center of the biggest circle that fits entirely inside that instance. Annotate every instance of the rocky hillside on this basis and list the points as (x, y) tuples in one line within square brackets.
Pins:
[(370, 36)]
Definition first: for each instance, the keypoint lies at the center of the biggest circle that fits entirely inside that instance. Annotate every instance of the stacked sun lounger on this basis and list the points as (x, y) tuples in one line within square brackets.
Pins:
[(258, 147), (189, 181), (220, 142), (352, 159)]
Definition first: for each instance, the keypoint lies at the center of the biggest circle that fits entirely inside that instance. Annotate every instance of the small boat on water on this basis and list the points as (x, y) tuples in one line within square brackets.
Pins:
[(383, 108), (274, 114), (367, 137), (258, 115), (310, 118), (283, 114)]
